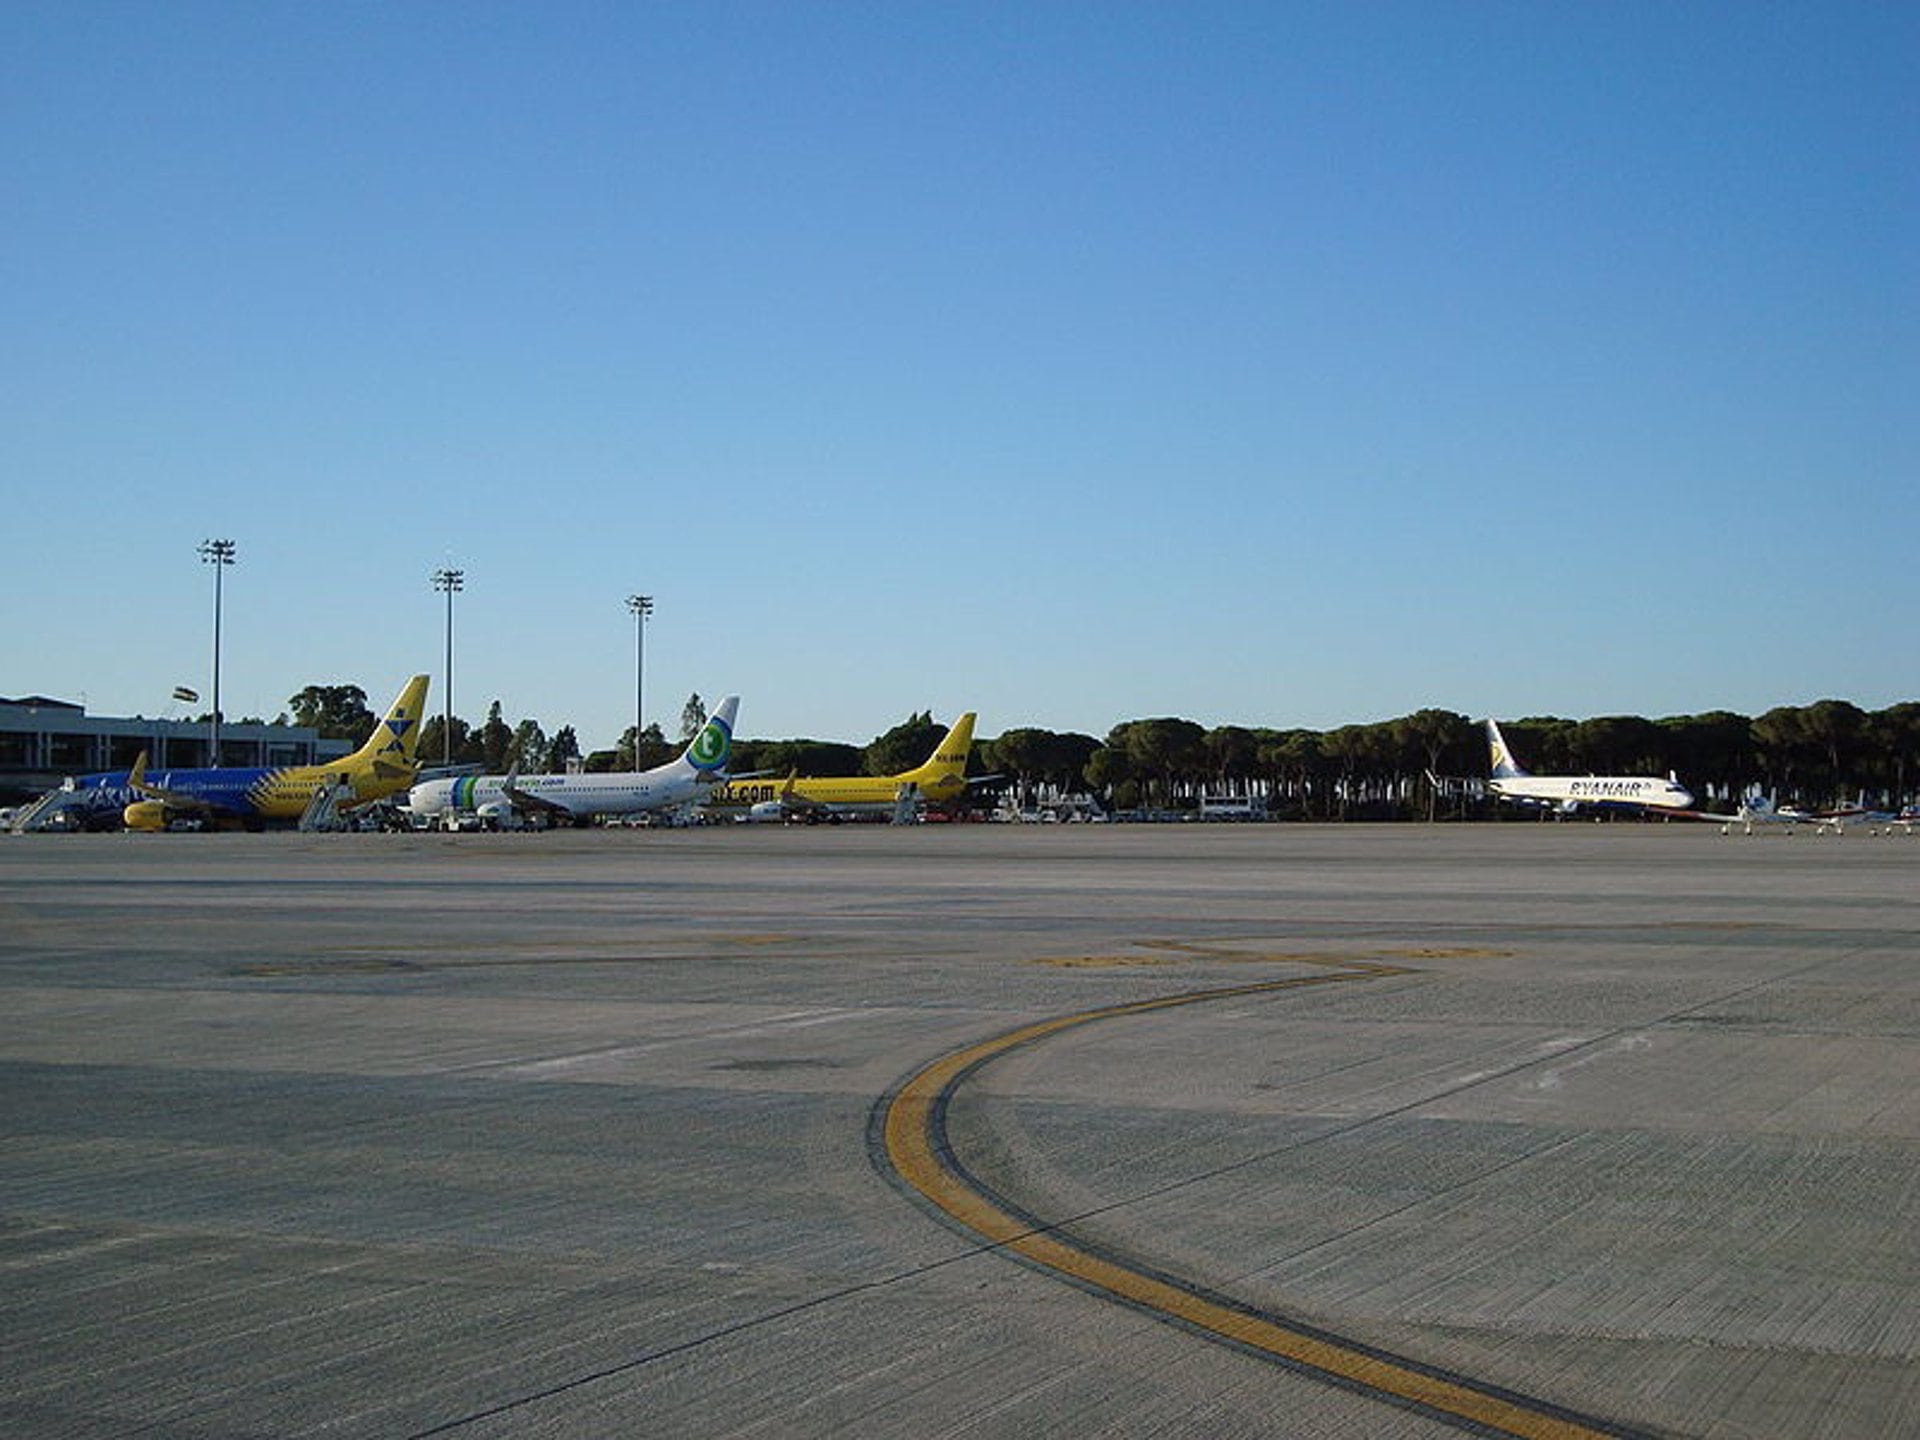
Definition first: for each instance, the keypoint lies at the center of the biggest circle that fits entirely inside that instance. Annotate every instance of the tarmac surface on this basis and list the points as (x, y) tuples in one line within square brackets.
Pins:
[(969, 1131)]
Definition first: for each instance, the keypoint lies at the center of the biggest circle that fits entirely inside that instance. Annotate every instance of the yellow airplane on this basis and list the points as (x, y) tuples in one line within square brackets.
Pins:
[(250, 796), (942, 779)]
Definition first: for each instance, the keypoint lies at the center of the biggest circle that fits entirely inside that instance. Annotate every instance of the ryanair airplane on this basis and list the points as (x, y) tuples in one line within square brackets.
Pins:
[(250, 796), (1568, 793), (942, 779), (513, 798)]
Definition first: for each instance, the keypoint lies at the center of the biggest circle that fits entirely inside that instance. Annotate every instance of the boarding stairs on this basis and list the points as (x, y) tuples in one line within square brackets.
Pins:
[(37, 814), (324, 811), (906, 804)]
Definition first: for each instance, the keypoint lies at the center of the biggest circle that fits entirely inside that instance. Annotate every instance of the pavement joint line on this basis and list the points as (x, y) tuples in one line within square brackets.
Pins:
[(915, 1145)]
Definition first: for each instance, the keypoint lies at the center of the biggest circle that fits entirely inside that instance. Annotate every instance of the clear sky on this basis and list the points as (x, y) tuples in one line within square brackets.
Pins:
[(1270, 364)]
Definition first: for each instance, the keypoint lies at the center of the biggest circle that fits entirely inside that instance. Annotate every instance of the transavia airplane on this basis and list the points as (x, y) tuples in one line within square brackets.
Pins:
[(941, 780), (513, 798), (1567, 793), (249, 796)]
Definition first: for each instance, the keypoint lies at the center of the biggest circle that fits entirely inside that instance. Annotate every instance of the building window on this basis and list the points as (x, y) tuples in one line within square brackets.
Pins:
[(69, 752)]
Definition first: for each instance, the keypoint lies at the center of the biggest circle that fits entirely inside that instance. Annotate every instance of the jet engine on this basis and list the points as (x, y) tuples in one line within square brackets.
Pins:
[(146, 815)]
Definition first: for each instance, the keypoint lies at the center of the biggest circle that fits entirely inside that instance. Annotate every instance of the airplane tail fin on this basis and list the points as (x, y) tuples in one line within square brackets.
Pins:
[(396, 738), (952, 751), (709, 751), (1505, 767)]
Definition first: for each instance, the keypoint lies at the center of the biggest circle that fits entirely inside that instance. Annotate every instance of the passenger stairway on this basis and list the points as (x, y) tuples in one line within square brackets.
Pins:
[(36, 814), (324, 811), (906, 804)]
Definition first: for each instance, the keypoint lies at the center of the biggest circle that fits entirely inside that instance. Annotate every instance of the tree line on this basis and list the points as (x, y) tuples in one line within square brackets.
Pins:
[(1434, 762), (1420, 765)]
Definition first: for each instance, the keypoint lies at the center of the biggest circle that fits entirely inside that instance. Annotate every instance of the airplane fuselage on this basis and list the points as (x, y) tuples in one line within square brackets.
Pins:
[(251, 795), (243, 794), (1643, 791), (846, 794), (611, 793), (1567, 793), (941, 779), (513, 796)]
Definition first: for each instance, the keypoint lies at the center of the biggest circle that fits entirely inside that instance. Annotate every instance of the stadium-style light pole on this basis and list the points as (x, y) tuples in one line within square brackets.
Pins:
[(219, 554), (451, 581), (640, 606)]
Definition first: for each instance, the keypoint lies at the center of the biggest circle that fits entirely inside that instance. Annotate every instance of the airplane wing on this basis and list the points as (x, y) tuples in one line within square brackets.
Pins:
[(792, 803), (1752, 812), (177, 800), (526, 803)]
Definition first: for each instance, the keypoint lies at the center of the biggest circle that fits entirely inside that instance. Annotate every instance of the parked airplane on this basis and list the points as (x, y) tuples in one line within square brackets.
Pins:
[(514, 798), (1755, 810), (942, 779), (1567, 793), (250, 796), (1876, 820)]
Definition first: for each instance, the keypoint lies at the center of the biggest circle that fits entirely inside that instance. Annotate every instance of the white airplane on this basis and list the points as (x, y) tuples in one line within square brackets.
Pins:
[(1877, 821), (513, 798), (1567, 793), (1755, 810)]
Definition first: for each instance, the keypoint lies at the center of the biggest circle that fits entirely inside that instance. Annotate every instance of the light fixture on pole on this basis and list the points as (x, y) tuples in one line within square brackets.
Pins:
[(219, 554), (641, 606), (451, 581)]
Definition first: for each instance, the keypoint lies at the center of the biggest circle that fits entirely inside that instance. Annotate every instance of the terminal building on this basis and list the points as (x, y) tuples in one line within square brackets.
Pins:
[(43, 741)]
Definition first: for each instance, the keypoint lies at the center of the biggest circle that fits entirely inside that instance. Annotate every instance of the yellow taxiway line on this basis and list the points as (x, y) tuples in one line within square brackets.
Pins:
[(914, 1133)]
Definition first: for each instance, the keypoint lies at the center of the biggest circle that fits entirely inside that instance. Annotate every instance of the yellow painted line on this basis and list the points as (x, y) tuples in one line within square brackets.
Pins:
[(914, 1133)]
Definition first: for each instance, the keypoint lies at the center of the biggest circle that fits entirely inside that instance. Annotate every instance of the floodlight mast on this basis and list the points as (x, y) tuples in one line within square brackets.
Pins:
[(641, 606), (450, 581), (219, 554)]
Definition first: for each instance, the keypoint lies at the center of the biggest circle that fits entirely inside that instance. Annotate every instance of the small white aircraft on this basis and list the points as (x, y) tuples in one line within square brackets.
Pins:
[(1878, 822), (1756, 810), (513, 798), (1567, 793)]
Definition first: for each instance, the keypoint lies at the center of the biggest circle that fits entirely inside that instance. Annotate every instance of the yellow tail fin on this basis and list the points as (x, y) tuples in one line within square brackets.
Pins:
[(397, 736), (951, 753)]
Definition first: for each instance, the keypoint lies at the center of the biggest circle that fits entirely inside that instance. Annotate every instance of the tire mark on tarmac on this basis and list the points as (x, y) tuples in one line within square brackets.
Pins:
[(914, 1144)]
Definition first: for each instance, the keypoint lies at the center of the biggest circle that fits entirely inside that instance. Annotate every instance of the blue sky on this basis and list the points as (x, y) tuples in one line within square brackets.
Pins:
[(1267, 364)]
